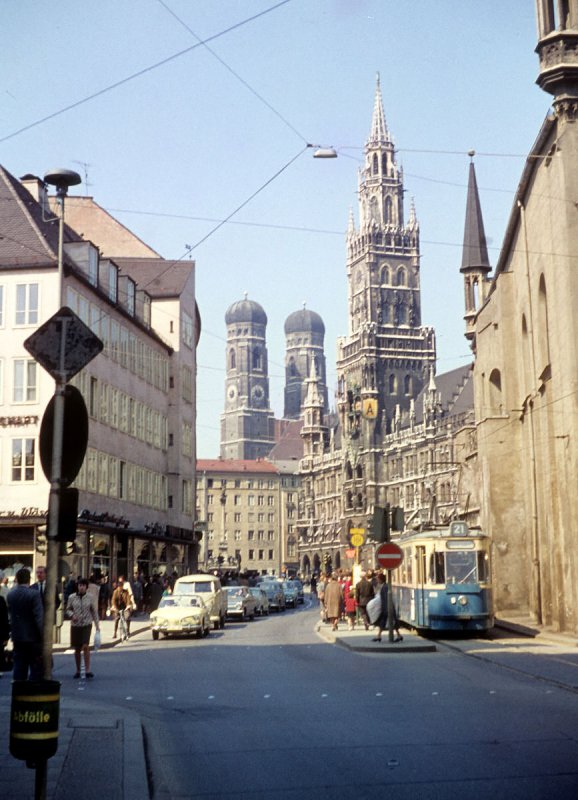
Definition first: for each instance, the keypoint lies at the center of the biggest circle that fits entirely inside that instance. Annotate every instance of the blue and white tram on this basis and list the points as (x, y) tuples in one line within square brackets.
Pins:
[(444, 582)]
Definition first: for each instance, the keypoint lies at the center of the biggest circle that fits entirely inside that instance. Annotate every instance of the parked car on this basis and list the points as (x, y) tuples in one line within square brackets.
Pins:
[(299, 586), (210, 589), (180, 614), (291, 594), (240, 602), (260, 596), (274, 592)]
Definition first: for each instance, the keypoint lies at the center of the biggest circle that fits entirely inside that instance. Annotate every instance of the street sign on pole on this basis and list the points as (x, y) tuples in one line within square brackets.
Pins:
[(75, 436), (389, 555), (63, 345)]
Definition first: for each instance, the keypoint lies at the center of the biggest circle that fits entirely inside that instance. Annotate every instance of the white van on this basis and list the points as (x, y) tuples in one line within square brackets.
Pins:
[(209, 588)]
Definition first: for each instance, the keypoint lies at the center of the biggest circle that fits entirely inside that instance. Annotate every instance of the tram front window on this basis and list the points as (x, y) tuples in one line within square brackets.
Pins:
[(461, 567)]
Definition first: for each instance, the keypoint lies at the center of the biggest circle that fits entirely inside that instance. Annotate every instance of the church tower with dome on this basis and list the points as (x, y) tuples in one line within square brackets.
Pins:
[(247, 424), (304, 337)]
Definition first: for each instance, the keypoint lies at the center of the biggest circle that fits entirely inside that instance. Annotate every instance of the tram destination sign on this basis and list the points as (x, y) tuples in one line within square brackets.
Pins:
[(389, 555), (63, 345)]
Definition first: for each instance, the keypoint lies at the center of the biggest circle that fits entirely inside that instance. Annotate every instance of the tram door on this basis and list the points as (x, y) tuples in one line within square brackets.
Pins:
[(420, 581)]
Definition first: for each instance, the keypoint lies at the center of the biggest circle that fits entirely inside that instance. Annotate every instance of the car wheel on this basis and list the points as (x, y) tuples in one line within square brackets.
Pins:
[(207, 630), (155, 635), (198, 634), (218, 624)]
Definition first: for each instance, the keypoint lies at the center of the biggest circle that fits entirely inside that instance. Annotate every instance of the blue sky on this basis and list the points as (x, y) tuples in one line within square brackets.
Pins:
[(175, 150)]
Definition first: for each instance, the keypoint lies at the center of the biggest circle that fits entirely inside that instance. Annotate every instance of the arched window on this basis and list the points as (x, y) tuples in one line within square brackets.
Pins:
[(375, 168), (359, 471), (385, 275), (392, 384), (348, 500), (542, 341), (257, 359), (232, 359), (384, 163), (407, 384), (292, 368), (388, 211), (359, 500), (401, 276), (496, 406), (348, 471)]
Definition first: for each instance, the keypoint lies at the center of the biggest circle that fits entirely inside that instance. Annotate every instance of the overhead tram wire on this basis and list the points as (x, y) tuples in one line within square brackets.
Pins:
[(245, 83), (141, 72)]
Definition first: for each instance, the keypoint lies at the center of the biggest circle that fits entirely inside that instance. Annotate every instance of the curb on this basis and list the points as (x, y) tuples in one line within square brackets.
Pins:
[(360, 644)]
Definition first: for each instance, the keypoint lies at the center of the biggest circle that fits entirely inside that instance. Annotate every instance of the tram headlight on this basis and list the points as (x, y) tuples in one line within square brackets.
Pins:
[(453, 600), (463, 600)]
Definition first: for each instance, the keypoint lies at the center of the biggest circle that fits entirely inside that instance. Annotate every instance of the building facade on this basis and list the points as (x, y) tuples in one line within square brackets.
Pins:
[(249, 508), (137, 486), (525, 338)]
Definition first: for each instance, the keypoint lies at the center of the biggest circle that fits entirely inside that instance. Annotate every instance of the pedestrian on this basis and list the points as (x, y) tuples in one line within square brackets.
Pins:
[(40, 586), (155, 593), (381, 622), (4, 633), (69, 587), (313, 585), (349, 602), (333, 601), (121, 603), (103, 597), (82, 610), (137, 592), (364, 592), (26, 620)]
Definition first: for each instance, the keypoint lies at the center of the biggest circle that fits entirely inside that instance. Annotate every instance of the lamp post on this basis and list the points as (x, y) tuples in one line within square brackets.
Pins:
[(62, 179)]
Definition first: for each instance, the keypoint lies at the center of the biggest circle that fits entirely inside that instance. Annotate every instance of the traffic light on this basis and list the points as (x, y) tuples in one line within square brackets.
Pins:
[(397, 519), (378, 528), (67, 516)]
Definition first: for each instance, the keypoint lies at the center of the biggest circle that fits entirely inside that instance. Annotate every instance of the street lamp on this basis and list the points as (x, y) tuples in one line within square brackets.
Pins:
[(62, 179), (324, 152)]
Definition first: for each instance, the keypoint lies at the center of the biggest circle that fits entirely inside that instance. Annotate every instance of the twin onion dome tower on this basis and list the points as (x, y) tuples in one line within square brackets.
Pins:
[(248, 423)]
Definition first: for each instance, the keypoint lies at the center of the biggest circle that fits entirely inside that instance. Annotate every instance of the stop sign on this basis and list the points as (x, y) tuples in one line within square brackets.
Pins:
[(389, 555)]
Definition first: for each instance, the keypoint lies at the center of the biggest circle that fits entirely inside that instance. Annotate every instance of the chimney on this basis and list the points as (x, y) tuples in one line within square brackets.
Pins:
[(37, 189)]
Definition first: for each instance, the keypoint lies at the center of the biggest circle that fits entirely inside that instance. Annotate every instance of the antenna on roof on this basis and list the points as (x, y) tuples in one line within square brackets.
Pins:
[(85, 165)]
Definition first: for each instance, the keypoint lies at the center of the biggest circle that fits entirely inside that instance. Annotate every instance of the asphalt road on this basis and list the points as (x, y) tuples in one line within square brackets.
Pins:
[(267, 709)]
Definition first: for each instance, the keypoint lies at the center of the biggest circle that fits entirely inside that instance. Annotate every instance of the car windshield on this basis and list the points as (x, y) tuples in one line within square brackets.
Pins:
[(198, 587), (181, 601), (235, 591)]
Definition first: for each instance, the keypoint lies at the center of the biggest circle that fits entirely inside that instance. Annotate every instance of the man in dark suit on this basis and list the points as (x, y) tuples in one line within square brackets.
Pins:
[(40, 586), (26, 619)]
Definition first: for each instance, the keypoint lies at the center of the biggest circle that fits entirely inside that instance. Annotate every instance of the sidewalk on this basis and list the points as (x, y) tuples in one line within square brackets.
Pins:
[(100, 749), (361, 641)]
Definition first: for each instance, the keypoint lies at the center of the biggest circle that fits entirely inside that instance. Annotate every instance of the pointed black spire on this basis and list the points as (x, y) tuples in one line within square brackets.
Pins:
[(475, 252)]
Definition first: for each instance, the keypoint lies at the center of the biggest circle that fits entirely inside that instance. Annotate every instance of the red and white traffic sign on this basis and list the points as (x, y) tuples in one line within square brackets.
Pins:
[(389, 555)]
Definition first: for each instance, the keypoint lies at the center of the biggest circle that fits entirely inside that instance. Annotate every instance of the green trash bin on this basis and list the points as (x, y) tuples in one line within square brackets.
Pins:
[(34, 719)]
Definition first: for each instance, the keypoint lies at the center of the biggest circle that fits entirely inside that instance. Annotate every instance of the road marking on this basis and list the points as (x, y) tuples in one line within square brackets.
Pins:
[(211, 697), (266, 696), (129, 697), (324, 695), (434, 693), (170, 697), (379, 694), (492, 691)]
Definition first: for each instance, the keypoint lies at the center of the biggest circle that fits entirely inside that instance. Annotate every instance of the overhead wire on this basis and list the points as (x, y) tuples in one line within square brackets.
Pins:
[(145, 70)]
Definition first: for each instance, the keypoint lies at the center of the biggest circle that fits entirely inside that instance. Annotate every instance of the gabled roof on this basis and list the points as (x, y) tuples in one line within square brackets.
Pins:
[(234, 465), (289, 446), (456, 392), (26, 239), (159, 277), (96, 224)]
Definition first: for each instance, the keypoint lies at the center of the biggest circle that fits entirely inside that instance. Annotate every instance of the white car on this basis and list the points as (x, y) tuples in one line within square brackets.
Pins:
[(210, 589), (179, 615)]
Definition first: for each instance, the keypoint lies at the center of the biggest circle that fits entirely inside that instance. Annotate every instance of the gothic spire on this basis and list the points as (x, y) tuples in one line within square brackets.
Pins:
[(379, 133), (475, 251)]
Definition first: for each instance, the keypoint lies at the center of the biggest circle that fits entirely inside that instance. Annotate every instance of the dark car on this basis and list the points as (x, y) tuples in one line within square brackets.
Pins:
[(275, 595)]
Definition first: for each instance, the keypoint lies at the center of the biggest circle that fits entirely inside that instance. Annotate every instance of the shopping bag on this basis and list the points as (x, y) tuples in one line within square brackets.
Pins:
[(96, 640), (374, 609)]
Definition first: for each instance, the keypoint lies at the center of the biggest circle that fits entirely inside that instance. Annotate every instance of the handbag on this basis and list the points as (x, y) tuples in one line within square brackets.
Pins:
[(374, 609)]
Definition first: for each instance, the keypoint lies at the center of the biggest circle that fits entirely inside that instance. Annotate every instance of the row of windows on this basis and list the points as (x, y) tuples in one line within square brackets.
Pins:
[(238, 499), (25, 304), (120, 345), (110, 476), (237, 517), (252, 557), (238, 536), (115, 408)]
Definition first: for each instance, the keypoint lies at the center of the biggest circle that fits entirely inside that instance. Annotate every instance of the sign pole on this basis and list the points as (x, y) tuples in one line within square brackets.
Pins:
[(389, 606), (52, 545)]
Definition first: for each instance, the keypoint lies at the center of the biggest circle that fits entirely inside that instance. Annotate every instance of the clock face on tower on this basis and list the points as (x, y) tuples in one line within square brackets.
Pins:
[(231, 394), (258, 395)]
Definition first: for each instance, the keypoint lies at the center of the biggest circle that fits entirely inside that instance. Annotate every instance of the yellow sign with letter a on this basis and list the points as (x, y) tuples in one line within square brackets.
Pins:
[(369, 408)]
